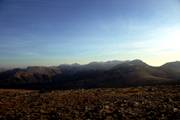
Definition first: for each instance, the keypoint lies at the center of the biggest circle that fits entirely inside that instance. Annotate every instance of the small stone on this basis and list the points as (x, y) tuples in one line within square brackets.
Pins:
[(168, 100), (122, 105), (175, 109), (124, 101), (136, 104), (106, 106)]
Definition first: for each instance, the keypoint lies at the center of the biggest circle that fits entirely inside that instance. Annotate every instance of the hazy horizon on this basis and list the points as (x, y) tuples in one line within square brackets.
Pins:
[(49, 65), (46, 33)]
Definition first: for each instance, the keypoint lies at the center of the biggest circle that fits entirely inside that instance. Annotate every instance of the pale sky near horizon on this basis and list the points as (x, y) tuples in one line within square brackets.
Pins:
[(44, 32)]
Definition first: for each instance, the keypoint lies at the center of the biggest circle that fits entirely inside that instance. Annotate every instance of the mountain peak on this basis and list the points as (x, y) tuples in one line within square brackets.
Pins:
[(172, 63), (137, 62), (172, 66)]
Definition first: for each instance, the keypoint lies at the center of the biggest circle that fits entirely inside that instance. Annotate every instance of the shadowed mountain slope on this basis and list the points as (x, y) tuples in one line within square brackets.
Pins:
[(172, 66), (92, 75)]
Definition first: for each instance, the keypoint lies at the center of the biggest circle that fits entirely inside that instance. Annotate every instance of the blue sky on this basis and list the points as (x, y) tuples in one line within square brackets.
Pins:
[(51, 32)]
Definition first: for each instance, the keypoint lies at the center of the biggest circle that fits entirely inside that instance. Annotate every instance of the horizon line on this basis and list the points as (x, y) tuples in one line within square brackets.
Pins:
[(78, 63)]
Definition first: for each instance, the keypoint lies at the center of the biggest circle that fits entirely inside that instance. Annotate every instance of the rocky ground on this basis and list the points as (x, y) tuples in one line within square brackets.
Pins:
[(134, 103)]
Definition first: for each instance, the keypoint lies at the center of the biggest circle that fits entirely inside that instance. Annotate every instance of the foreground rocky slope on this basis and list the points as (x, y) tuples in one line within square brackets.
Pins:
[(134, 103)]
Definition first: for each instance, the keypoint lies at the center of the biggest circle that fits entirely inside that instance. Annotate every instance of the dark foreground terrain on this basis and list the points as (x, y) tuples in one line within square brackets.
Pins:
[(135, 103)]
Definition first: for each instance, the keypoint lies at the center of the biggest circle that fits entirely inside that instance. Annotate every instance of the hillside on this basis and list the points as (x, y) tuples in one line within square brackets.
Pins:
[(93, 75), (2, 69)]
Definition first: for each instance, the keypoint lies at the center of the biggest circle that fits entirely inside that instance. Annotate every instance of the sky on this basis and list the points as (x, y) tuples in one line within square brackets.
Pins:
[(53, 32)]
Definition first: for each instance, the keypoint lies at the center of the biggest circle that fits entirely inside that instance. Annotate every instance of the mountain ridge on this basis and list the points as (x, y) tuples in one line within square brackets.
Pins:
[(92, 75)]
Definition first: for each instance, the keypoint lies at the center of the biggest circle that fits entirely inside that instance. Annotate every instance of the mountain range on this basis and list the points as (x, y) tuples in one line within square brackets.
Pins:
[(109, 74)]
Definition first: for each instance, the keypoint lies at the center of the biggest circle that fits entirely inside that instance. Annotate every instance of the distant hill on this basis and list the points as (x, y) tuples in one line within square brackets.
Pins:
[(139, 73), (173, 69), (2, 69), (92, 75), (172, 66), (29, 75), (74, 68)]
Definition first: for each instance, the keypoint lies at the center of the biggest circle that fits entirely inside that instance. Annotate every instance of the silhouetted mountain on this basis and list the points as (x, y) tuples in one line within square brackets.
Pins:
[(138, 73), (29, 75), (102, 65), (74, 68), (2, 69), (95, 74), (127, 73), (172, 66), (173, 69)]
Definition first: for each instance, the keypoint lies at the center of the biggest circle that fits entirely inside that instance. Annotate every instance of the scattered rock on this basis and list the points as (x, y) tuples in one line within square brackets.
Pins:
[(175, 109), (122, 103)]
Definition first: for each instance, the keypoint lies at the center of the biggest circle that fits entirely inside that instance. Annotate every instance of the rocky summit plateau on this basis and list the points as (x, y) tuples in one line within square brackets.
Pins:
[(132, 103)]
